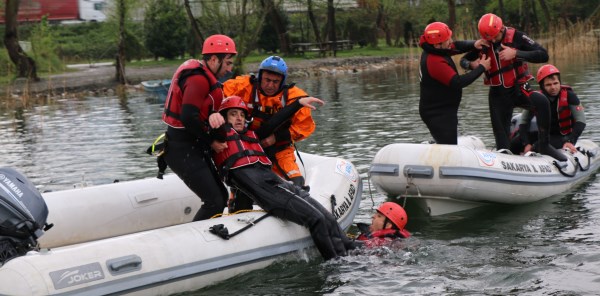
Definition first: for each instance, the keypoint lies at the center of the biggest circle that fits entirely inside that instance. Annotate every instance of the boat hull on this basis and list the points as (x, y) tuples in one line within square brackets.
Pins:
[(177, 258), (450, 178)]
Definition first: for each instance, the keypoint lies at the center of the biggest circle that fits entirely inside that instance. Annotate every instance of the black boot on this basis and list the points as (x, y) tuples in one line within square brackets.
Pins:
[(546, 148)]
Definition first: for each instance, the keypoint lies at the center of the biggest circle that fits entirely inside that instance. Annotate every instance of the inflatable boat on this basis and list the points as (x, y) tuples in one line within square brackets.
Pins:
[(441, 179), (136, 237)]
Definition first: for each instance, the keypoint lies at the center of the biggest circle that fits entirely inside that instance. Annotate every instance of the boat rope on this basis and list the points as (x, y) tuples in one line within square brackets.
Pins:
[(235, 213), (221, 231), (409, 183), (589, 159), (560, 169), (370, 192)]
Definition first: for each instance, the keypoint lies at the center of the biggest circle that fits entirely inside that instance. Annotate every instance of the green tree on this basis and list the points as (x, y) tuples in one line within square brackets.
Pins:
[(165, 29)]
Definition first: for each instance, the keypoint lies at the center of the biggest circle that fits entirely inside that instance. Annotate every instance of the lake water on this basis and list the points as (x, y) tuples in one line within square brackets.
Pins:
[(551, 247)]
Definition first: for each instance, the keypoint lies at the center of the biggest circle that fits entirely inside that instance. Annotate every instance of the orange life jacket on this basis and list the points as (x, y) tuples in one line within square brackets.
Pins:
[(242, 149), (506, 72), (173, 104)]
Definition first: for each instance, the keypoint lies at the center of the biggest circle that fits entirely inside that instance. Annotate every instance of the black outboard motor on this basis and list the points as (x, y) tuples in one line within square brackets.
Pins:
[(23, 214)]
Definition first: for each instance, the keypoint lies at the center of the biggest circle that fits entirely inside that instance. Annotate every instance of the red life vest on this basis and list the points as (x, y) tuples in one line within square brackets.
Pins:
[(506, 72), (242, 149), (382, 237), (565, 118), (173, 104)]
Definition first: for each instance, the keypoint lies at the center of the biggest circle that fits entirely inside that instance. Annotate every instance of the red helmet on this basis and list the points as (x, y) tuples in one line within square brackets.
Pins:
[(233, 102), (489, 26), (218, 44), (545, 71), (437, 32), (395, 213)]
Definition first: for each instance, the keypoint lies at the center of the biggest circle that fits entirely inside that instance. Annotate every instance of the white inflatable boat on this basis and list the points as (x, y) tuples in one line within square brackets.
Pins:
[(133, 237), (441, 179)]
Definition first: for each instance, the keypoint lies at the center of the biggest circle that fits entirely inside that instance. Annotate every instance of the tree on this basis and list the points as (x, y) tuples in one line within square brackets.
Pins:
[(451, 13), (278, 21), (165, 29), (313, 21), (26, 66), (198, 38), (120, 63), (331, 25)]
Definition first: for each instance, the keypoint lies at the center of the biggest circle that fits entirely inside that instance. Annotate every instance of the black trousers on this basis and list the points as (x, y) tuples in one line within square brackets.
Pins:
[(189, 159), (287, 201)]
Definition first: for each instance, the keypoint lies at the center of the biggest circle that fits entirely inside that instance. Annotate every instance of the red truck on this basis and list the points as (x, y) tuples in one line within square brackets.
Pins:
[(60, 10)]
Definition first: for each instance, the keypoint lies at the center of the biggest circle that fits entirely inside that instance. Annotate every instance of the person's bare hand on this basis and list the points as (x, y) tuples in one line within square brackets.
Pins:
[(485, 62), (215, 120), (218, 146), (481, 42), (268, 141), (308, 101), (569, 146), (507, 53)]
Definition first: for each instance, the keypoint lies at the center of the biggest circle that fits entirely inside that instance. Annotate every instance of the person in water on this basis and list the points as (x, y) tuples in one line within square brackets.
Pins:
[(244, 165), (387, 224)]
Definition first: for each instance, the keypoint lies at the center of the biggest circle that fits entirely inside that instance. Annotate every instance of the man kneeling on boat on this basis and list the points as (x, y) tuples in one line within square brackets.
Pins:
[(244, 165), (387, 224)]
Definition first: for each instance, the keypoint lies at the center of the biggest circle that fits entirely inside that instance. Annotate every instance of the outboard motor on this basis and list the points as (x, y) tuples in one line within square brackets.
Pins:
[(23, 214)]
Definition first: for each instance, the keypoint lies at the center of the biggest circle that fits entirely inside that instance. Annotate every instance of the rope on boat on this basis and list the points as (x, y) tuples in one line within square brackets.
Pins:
[(409, 182), (589, 159), (221, 231), (560, 169)]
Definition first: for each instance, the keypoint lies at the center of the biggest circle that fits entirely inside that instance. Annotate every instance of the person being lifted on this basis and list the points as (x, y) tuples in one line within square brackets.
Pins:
[(508, 79), (265, 95), (244, 165)]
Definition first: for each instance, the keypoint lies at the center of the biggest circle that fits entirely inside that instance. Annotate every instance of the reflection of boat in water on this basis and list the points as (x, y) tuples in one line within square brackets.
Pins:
[(158, 88), (134, 237), (442, 179)]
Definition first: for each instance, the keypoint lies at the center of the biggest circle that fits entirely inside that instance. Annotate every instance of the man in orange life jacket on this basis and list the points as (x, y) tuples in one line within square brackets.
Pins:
[(245, 166), (387, 224), (567, 118), (266, 95), (508, 80), (441, 85), (190, 111)]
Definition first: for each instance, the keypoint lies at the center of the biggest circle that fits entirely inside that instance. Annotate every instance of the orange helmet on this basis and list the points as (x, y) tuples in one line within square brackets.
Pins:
[(545, 71), (233, 102), (437, 32), (395, 213), (218, 44), (489, 26)]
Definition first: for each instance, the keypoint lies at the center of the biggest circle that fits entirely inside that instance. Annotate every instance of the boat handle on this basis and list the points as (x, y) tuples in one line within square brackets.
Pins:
[(124, 264), (418, 171)]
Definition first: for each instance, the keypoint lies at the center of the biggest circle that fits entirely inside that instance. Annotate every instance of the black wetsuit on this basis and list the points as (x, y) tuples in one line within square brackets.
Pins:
[(280, 198), (556, 138), (441, 90), (502, 100)]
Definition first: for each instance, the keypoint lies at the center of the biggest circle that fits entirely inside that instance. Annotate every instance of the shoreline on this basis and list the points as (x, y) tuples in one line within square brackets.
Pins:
[(100, 78)]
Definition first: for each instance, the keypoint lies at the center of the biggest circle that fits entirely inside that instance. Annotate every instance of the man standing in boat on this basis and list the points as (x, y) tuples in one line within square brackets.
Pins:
[(441, 85), (387, 224), (190, 111), (567, 118), (244, 165), (265, 96), (508, 78)]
